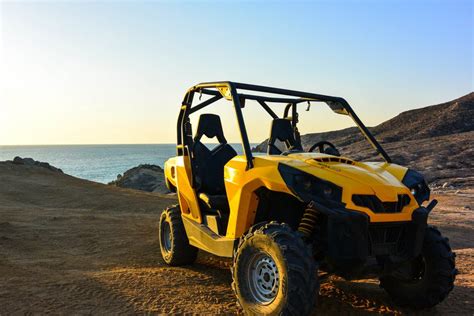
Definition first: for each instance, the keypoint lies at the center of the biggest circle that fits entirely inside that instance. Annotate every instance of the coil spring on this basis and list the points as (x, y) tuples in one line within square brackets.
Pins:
[(308, 222)]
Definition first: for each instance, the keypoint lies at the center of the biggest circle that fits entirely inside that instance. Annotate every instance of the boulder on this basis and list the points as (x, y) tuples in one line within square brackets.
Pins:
[(31, 162), (145, 177)]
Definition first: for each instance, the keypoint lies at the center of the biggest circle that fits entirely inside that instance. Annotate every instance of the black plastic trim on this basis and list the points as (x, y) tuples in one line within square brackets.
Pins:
[(294, 179), (415, 180)]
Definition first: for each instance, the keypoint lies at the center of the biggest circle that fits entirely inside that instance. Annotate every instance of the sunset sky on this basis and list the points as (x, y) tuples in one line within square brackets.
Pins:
[(115, 72)]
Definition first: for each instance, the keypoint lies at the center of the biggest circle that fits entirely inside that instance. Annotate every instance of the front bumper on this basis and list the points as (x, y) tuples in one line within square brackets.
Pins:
[(352, 239)]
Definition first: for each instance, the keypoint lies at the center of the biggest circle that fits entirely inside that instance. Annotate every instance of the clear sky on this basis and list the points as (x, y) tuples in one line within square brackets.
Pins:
[(115, 72)]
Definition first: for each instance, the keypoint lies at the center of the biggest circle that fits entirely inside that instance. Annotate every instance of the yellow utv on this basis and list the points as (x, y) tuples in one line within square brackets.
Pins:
[(285, 216)]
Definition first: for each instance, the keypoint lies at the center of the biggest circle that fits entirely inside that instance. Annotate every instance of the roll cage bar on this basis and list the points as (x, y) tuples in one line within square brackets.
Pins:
[(229, 91)]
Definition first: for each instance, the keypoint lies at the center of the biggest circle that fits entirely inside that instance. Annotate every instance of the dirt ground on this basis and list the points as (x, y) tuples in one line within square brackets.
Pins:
[(73, 246)]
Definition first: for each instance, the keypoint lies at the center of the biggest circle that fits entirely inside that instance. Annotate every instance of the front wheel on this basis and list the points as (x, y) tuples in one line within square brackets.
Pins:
[(274, 273), (427, 280)]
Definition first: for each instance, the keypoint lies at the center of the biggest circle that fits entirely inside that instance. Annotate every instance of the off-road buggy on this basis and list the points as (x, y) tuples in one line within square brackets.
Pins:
[(288, 214)]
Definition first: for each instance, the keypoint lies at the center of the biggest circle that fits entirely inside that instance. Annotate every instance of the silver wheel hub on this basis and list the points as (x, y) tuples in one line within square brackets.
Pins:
[(264, 279)]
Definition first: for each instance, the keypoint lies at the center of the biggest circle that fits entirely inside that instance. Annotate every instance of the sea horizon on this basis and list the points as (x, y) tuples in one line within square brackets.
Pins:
[(96, 162)]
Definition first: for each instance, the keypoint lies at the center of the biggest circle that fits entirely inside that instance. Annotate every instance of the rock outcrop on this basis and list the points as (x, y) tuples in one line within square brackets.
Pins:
[(31, 162), (145, 177)]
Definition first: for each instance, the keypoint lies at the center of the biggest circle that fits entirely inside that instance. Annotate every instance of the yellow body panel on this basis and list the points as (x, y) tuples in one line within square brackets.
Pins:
[(187, 196), (170, 171), (240, 185), (377, 178)]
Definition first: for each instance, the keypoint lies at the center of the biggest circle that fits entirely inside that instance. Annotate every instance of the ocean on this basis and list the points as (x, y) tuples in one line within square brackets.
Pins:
[(100, 163)]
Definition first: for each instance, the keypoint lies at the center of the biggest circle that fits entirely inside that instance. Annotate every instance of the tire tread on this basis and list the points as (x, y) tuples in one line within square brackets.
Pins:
[(303, 291), (441, 279)]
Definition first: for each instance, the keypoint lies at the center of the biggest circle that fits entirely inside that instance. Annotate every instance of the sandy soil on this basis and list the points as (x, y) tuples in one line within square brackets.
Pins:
[(73, 246)]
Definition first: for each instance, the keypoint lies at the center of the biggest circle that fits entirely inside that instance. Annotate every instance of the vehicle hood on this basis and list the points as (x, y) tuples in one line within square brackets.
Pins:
[(376, 178)]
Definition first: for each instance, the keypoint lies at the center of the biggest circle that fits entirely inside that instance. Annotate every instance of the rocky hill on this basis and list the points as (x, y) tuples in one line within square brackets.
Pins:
[(31, 162), (437, 140)]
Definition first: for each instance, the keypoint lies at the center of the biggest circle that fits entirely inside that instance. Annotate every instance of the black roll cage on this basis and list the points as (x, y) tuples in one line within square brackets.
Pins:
[(229, 91)]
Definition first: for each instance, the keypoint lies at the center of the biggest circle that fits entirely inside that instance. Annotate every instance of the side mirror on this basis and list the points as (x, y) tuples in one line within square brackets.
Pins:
[(337, 107)]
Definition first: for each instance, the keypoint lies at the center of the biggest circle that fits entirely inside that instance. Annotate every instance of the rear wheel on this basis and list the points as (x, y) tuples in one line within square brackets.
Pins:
[(174, 244), (427, 280), (274, 273)]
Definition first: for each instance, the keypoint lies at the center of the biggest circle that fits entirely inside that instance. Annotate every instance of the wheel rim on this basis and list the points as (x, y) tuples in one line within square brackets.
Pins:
[(263, 278), (412, 272), (419, 269), (165, 236)]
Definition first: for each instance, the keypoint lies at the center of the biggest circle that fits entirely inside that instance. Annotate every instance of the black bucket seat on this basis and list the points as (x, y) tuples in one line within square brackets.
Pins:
[(283, 131), (209, 164)]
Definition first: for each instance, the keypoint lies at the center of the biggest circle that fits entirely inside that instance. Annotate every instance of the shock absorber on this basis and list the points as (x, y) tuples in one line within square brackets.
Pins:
[(309, 221)]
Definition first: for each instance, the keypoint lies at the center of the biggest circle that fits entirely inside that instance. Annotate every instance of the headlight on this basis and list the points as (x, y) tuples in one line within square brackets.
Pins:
[(417, 185), (308, 187)]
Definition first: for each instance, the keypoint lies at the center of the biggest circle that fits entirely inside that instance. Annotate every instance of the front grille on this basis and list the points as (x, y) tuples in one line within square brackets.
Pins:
[(373, 203), (387, 239)]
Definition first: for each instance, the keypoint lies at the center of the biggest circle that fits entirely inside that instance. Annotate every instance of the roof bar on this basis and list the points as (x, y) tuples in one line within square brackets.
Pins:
[(319, 97), (205, 103)]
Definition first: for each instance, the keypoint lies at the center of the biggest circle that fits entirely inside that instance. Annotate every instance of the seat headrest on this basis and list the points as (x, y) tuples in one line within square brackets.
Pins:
[(210, 125), (282, 130)]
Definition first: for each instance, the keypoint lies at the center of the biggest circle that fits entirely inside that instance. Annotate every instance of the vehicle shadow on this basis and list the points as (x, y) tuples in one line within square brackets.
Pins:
[(338, 296), (366, 297)]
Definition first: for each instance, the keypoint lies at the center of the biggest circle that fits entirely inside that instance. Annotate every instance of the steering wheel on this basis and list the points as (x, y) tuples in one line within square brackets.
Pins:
[(332, 150)]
